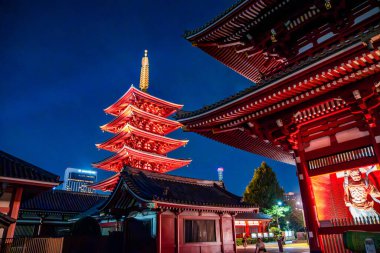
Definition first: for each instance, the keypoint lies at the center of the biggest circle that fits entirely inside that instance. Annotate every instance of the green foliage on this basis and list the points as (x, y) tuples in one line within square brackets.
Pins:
[(277, 212), (276, 231), (264, 189)]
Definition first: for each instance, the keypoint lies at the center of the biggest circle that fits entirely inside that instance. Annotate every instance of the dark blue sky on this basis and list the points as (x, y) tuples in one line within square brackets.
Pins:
[(63, 62)]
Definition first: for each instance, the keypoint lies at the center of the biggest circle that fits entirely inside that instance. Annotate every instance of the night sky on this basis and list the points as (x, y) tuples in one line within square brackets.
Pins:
[(63, 62)]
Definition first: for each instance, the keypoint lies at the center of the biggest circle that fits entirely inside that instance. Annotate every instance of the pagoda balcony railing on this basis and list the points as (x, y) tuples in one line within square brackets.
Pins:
[(342, 157)]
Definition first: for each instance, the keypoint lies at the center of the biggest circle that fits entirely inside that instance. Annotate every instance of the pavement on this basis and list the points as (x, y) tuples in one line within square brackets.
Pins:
[(273, 248)]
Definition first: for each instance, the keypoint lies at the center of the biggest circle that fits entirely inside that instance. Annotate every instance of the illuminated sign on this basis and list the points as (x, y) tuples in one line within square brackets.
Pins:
[(87, 171), (82, 177)]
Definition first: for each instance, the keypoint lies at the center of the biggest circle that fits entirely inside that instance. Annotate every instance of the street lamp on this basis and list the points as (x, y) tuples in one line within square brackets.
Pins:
[(279, 203)]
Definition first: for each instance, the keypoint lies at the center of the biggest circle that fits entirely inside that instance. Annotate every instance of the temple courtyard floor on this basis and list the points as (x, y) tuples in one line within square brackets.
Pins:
[(273, 248)]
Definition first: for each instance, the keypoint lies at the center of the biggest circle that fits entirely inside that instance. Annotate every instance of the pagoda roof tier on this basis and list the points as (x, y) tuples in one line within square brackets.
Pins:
[(141, 140), (128, 156), (261, 38), (145, 102), (143, 120), (107, 184)]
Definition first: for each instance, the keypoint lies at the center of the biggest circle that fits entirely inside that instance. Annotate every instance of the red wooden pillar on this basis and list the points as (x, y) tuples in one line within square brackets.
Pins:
[(177, 231), (221, 231), (308, 203), (13, 210), (234, 231), (158, 238), (246, 228)]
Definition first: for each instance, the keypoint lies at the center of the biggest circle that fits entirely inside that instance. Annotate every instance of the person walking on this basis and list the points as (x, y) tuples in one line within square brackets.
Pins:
[(244, 242), (260, 246)]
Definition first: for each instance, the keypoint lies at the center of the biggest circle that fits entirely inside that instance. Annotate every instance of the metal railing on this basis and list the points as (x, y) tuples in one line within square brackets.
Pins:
[(31, 245)]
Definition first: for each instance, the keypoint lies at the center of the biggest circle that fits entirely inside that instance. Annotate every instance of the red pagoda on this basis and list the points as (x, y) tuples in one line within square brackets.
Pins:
[(140, 127), (315, 103)]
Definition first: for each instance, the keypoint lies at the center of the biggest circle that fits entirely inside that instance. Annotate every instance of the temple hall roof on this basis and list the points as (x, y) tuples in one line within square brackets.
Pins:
[(59, 201), (13, 168), (169, 189)]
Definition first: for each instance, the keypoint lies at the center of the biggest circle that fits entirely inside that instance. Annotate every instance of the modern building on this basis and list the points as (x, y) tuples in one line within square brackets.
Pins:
[(77, 180), (314, 103), (292, 196)]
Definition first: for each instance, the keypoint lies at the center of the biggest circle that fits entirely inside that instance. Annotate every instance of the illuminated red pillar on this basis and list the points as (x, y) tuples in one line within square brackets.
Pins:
[(308, 203), (14, 208)]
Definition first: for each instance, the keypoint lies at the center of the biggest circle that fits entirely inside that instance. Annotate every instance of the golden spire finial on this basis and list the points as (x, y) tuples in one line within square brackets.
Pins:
[(144, 75)]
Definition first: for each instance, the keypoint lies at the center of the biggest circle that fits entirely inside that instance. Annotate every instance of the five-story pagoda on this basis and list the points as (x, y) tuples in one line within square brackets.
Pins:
[(140, 129)]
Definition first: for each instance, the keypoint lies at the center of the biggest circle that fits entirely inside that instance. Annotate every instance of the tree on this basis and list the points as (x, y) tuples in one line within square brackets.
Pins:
[(263, 190), (277, 212)]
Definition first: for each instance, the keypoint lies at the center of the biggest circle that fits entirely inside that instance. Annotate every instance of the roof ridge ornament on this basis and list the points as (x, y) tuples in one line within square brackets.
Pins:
[(144, 74)]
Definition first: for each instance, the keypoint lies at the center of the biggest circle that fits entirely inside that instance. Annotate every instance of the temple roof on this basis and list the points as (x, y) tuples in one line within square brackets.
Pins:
[(254, 89), (134, 94), (238, 5), (128, 130), (107, 184), (130, 111), (127, 154), (260, 38), (252, 216), (236, 120), (17, 170), (59, 201), (168, 189), (240, 139)]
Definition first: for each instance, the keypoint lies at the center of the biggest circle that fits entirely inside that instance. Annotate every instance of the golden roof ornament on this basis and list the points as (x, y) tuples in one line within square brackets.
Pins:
[(144, 75)]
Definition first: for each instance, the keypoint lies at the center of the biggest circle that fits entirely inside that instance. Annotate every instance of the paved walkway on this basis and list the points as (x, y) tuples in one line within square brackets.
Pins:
[(273, 248)]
